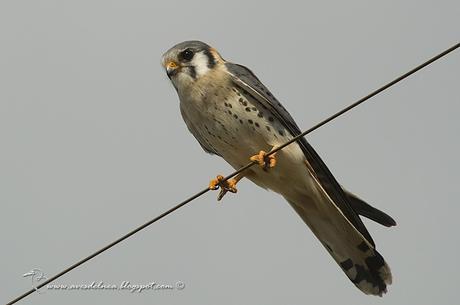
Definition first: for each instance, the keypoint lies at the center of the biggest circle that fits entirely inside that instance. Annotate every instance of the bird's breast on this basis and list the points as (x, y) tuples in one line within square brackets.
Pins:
[(235, 126), (231, 123)]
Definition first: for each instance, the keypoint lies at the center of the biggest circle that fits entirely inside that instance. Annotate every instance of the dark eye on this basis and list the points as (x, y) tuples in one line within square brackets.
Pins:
[(187, 55)]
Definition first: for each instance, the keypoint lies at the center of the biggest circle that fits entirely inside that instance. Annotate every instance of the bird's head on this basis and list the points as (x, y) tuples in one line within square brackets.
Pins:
[(188, 61)]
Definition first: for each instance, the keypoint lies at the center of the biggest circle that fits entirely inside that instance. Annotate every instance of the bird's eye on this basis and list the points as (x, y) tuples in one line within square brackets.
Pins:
[(187, 55)]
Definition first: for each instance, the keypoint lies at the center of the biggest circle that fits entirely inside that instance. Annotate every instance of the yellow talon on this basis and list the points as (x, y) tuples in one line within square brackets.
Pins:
[(264, 161), (214, 183), (224, 185)]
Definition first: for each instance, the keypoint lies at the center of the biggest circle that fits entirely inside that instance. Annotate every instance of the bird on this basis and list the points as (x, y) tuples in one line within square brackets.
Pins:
[(233, 115)]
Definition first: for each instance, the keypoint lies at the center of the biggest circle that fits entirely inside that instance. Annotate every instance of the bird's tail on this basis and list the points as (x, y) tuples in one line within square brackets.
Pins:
[(356, 256)]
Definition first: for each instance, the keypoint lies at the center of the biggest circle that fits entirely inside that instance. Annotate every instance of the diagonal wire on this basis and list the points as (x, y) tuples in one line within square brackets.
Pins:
[(202, 192)]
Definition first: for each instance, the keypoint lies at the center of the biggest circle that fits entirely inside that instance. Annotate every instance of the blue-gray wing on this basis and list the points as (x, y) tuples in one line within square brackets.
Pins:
[(250, 85)]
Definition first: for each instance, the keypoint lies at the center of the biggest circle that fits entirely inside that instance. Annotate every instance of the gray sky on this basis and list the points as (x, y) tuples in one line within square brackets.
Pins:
[(92, 145)]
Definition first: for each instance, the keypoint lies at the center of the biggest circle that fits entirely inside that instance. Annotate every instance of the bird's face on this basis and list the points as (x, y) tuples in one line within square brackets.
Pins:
[(187, 62)]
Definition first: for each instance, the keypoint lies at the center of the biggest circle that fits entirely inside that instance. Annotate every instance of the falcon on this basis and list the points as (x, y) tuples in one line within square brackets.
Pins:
[(233, 115)]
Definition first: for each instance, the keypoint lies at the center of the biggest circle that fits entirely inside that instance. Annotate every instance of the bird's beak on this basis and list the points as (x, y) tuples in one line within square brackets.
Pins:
[(172, 68)]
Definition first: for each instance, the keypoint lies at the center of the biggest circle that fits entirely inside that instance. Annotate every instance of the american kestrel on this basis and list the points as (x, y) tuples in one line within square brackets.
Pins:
[(233, 115)]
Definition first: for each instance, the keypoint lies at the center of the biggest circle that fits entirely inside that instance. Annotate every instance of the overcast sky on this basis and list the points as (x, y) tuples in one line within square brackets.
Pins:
[(93, 145)]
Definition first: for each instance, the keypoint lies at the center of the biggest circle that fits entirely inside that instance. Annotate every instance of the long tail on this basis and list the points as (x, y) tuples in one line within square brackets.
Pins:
[(356, 256)]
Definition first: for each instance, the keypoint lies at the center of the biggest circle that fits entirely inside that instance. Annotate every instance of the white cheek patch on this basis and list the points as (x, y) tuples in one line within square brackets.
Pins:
[(200, 62)]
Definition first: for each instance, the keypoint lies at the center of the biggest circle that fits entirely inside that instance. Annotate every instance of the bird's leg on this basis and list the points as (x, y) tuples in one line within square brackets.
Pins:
[(225, 185), (264, 161)]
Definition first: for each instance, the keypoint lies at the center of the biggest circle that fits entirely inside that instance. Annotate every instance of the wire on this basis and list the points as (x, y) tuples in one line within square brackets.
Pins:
[(202, 192)]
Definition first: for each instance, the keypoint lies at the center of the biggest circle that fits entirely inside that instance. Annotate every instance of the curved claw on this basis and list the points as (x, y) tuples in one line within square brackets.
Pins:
[(264, 161), (224, 185), (214, 183)]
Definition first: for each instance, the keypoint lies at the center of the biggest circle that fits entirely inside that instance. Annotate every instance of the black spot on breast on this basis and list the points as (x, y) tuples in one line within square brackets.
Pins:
[(257, 124), (271, 119), (250, 121), (243, 102), (235, 116), (247, 109), (281, 133), (254, 108), (241, 121), (229, 112), (268, 128), (260, 115)]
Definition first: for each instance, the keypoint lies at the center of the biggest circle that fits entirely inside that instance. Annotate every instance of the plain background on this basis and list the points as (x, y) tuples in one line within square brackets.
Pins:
[(92, 145)]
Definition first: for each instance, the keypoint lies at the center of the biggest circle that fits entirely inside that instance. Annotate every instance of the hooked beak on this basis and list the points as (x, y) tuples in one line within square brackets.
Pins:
[(172, 68)]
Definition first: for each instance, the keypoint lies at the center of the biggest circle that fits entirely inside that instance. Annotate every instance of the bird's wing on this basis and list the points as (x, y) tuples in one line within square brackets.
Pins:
[(196, 133), (251, 85), (365, 209)]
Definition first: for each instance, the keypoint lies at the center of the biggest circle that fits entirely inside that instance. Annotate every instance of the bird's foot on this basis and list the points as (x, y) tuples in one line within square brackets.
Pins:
[(263, 160), (224, 185)]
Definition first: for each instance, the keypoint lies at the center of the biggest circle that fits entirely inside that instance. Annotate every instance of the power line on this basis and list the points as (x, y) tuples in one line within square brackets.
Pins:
[(202, 192)]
